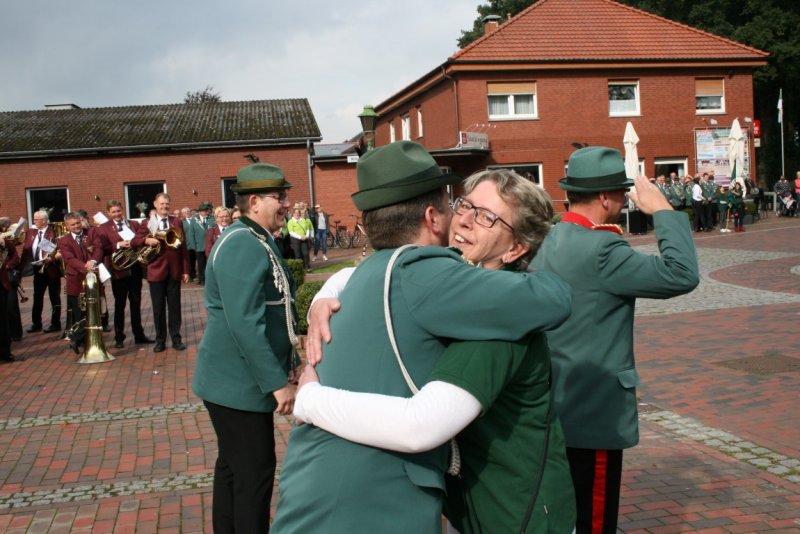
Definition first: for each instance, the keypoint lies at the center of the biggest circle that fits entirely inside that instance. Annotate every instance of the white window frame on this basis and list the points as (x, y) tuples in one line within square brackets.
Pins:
[(715, 111), (637, 99), (419, 122), (29, 193), (511, 93), (405, 127), (392, 133)]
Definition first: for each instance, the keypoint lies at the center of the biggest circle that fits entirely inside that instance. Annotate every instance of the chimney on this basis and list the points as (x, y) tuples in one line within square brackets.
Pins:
[(490, 24)]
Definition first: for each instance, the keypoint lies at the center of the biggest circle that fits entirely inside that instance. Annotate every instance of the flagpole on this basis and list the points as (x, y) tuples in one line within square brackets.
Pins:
[(780, 121)]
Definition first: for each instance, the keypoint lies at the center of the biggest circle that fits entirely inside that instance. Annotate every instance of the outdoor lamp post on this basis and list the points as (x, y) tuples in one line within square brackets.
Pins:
[(368, 119)]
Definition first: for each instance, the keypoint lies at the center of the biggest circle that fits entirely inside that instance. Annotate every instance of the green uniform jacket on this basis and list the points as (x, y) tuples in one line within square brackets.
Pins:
[(196, 232), (502, 451), (330, 485), (245, 353), (594, 370)]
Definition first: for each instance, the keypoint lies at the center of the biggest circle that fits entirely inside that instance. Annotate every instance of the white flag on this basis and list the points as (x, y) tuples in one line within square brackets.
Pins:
[(780, 107)]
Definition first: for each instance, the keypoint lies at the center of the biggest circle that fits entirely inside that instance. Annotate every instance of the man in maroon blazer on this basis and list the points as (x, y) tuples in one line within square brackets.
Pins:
[(165, 275), (82, 252), (11, 262), (126, 284), (45, 277)]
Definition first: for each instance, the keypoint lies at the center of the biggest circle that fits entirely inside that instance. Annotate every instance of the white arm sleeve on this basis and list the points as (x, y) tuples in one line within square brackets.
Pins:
[(428, 419), (334, 286)]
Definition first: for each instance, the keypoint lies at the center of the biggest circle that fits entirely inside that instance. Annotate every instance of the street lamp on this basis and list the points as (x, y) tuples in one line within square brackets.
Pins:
[(368, 119)]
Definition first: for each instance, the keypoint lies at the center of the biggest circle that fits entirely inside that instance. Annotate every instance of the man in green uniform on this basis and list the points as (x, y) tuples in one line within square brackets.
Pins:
[(594, 374), (331, 485), (246, 359)]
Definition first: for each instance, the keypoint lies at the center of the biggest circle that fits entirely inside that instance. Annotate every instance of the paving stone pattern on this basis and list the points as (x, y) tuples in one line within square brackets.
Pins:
[(125, 447)]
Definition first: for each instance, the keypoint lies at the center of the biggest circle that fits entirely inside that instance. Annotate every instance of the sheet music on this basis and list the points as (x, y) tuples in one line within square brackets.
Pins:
[(126, 233), (46, 246), (103, 273), (21, 224), (99, 217)]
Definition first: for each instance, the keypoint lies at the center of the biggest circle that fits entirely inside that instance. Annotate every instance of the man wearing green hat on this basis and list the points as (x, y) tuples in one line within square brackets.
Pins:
[(594, 374), (331, 485), (246, 360), (199, 225)]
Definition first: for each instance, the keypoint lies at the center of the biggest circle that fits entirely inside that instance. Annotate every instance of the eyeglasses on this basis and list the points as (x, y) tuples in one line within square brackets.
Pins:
[(281, 198), (482, 216)]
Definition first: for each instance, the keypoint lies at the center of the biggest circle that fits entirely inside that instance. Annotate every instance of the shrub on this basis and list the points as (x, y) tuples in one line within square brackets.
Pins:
[(298, 271), (302, 301)]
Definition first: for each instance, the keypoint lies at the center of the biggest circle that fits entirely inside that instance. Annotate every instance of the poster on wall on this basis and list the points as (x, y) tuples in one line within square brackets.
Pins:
[(711, 152)]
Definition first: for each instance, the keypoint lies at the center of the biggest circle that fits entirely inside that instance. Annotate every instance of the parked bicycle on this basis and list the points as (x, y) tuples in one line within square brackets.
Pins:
[(359, 235), (340, 237)]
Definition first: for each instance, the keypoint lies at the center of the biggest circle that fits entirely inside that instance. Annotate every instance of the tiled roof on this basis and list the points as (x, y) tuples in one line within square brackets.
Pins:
[(151, 127), (598, 30)]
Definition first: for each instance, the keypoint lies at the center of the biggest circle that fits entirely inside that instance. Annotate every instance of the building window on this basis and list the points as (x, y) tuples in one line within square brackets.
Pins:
[(392, 133), (55, 201), (709, 95), (228, 196), (623, 98), (139, 198), (405, 125), (512, 101), (531, 171), (667, 165), (419, 122)]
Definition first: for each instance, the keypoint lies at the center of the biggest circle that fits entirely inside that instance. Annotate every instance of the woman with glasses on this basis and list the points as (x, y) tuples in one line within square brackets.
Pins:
[(494, 395)]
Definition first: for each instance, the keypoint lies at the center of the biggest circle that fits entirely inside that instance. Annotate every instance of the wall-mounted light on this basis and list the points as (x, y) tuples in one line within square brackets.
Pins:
[(194, 192), (748, 119), (97, 197)]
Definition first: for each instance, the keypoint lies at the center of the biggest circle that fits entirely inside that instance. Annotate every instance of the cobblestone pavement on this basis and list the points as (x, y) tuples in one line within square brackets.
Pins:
[(125, 447)]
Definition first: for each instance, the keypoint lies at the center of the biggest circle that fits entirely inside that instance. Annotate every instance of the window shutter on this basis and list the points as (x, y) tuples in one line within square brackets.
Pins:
[(516, 88), (708, 87)]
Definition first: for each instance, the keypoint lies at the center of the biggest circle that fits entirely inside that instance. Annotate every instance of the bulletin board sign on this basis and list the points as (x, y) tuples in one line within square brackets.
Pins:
[(711, 152)]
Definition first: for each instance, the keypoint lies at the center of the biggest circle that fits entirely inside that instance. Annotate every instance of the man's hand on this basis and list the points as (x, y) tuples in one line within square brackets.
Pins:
[(124, 244), (319, 327), (285, 397), (151, 241), (185, 278), (648, 197), (91, 265)]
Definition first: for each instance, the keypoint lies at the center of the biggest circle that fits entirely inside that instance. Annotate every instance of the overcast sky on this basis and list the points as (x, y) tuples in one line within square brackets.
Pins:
[(339, 55)]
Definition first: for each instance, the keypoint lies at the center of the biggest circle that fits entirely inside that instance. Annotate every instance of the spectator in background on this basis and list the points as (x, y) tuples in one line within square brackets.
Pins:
[(300, 232), (320, 222), (186, 224), (222, 216)]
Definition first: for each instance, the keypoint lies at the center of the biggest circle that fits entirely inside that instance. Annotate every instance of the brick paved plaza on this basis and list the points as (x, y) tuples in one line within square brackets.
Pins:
[(124, 446)]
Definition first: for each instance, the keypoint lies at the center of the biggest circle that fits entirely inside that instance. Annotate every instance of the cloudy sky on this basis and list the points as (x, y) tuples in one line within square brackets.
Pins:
[(338, 54)]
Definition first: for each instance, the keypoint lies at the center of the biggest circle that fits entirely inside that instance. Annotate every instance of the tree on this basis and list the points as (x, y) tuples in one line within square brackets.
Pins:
[(769, 25), (202, 97)]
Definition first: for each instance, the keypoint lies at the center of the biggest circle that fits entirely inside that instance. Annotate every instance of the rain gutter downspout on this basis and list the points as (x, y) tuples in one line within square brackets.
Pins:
[(455, 98), (310, 172)]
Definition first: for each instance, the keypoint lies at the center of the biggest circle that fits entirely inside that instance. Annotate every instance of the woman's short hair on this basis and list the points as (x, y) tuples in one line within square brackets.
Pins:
[(531, 206)]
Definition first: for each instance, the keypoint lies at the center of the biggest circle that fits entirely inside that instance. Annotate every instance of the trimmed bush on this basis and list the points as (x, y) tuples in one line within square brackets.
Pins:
[(302, 301), (298, 271)]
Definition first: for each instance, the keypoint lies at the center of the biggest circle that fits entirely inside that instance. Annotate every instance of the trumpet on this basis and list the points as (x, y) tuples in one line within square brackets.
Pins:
[(172, 238)]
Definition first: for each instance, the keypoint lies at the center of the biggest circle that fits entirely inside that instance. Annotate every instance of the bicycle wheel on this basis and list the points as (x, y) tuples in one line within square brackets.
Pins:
[(331, 240), (359, 240)]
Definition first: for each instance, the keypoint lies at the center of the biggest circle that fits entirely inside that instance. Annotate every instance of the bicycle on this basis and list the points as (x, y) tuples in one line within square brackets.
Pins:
[(359, 236), (339, 238)]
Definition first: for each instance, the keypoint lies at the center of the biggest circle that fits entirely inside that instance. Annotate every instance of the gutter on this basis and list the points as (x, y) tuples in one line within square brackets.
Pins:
[(283, 141)]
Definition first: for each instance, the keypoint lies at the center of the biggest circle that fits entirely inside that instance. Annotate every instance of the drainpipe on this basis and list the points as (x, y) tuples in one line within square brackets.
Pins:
[(310, 172), (455, 99)]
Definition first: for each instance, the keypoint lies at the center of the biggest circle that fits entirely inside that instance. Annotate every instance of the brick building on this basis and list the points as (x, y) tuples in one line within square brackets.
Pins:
[(569, 73), (65, 158)]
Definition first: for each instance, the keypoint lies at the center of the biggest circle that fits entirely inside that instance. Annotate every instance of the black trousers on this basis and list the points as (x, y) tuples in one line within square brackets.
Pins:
[(192, 262), (201, 266), (596, 476), (5, 336), (12, 308), (42, 282), (700, 222), (126, 290), (245, 469), (301, 251), (166, 295)]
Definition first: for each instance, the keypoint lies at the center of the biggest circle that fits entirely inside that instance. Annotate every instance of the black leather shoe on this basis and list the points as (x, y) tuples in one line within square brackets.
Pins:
[(159, 348), (52, 328), (179, 346), (106, 329), (119, 345), (33, 329), (143, 340), (11, 359), (75, 346)]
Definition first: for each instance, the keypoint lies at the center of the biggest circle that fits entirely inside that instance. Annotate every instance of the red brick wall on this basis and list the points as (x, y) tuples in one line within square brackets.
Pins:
[(334, 182), (573, 108), (106, 176), (440, 129)]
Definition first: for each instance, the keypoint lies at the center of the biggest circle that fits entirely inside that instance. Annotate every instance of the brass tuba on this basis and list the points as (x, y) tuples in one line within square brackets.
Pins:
[(171, 238), (94, 350), (124, 258)]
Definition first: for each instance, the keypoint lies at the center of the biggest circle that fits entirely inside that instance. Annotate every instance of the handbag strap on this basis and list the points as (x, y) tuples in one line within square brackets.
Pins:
[(455, 455)]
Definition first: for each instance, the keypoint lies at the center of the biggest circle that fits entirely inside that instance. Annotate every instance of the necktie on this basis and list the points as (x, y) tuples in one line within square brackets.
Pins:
[(38, 245), (79, 239), (119, 226), (164, 224)]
